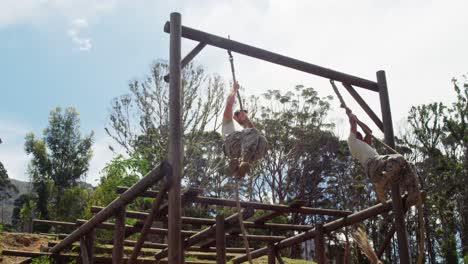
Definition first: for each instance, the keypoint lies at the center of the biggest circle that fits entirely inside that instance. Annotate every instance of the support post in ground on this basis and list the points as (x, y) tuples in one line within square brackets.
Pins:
[(319, 244), (402, 236), (220, 240), (175, 251), (271, 254), (119, 237)]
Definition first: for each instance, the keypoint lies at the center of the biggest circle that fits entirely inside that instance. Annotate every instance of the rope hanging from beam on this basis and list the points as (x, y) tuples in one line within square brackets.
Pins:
[(343, 105), (241, 220)]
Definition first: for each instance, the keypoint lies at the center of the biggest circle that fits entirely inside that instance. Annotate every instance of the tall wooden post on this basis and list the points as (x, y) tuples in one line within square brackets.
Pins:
[(119, 237), (220, 240), (271, 254), (175, 251), (319, 244), (87, 247), (402, 236)]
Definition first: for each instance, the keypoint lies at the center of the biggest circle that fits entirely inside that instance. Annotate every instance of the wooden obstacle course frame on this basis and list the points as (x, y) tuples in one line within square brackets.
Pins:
[(172, 172)]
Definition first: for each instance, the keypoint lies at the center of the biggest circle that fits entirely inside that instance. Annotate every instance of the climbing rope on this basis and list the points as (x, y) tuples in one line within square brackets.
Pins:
[(343, 105), (239, 209)]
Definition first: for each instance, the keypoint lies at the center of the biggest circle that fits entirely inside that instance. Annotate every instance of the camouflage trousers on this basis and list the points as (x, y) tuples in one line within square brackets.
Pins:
[(384, 170), (248, 145)]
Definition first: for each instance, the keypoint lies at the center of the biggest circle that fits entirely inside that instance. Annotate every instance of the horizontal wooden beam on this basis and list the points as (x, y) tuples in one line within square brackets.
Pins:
[(272, 57), (208, 232), (207, 221), (153, 177), (327, 228), (152, 230), (258, 206), (97, 259), (268, 216), (151, 245)]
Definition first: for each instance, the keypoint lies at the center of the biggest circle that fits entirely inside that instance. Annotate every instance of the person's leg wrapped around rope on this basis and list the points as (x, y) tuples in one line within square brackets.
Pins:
[(243, 148), (384, 170)]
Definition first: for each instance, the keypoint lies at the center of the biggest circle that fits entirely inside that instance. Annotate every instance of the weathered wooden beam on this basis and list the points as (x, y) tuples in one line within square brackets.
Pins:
[(207, 232), (188, 58), (220, 240), (268, 216), (271, 207), (364, 106), (150, 245), (271, 254), (259, 206), (148, 223), (97, 259), (279, 258), (265, 55), (87, 247), (152, 230), (328, 228), (175, 141), (207, 221), (403, 246), (119, 236), (319, 244), (151, 178)]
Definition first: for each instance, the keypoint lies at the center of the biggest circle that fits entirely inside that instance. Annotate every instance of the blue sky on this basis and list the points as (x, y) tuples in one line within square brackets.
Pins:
[(83, 53)]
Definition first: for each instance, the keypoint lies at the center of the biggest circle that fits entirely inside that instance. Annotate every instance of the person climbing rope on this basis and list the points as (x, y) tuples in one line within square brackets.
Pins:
[(241, 147), (383, 170)]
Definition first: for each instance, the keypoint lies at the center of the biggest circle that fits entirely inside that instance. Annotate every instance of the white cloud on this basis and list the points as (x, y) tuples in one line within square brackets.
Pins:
[(74, 33), (43, 14)]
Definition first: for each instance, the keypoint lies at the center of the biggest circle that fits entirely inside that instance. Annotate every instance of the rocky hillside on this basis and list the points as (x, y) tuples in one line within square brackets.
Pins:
[(6, 207)]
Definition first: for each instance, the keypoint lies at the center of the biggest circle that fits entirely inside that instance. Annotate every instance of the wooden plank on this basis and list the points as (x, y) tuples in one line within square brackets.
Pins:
[(403, 246), (265, 55), (151, 178), (119, 236), (220, 240), (175, 255)]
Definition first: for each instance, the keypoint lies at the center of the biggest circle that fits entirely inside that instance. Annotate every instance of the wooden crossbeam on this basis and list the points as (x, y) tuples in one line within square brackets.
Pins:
[(207, 221), (268, 216), (208, 232), (256, 205), (327, 228)]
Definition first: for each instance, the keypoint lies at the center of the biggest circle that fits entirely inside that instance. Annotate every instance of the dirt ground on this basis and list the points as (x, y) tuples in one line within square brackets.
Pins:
[(20, 241)]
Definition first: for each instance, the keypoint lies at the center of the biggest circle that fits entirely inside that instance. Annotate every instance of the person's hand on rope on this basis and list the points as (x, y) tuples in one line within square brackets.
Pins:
[(235, 88)]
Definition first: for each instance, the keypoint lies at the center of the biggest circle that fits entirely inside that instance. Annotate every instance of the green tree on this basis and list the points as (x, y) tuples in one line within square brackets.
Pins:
[(6, 187), (58, 160), (139, 120), (456, 127)]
